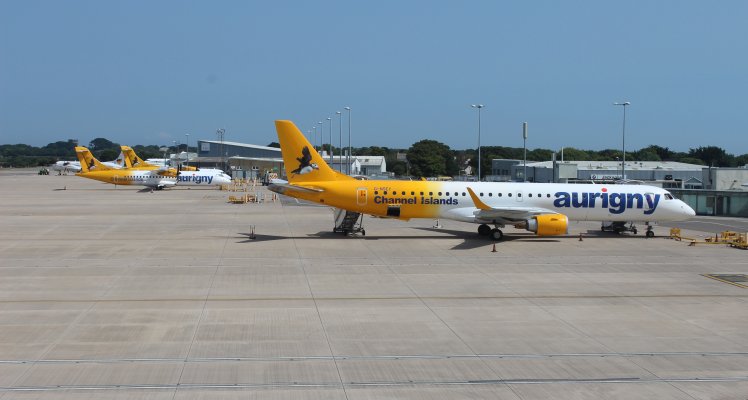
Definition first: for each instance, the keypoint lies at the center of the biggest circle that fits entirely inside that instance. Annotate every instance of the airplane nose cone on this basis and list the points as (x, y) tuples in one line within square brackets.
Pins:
[(687, 210)]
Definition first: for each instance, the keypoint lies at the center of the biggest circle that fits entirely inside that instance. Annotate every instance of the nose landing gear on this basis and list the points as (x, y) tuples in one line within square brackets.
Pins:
[(650, 233)]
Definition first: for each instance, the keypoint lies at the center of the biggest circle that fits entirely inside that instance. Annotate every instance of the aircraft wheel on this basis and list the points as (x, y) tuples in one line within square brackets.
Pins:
[(635, 231), (650, 234), (497, 234), (363, 232), (484, 230)]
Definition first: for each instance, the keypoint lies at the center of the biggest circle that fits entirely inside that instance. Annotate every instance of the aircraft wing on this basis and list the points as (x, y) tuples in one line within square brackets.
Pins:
[(167, 171), (507, 214), (511, 214)]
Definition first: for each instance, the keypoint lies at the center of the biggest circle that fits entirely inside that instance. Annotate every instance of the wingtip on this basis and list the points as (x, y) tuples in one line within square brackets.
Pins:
[(478, 203)]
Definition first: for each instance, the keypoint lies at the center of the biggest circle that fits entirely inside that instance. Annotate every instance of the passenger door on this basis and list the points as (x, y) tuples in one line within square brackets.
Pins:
[(361, 196)]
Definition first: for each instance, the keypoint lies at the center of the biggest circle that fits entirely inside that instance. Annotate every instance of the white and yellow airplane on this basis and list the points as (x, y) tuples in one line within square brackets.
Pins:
[(75, 166), (186, 176), (91, 168), (542, 208)]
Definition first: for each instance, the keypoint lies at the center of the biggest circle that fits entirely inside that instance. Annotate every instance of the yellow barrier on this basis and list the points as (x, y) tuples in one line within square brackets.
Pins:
[(732, 239), (238, 199), (741, 241)]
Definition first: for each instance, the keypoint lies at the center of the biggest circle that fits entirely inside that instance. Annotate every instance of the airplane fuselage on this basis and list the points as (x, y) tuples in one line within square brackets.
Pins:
[(427, 199), (153, 178), (131, 177)]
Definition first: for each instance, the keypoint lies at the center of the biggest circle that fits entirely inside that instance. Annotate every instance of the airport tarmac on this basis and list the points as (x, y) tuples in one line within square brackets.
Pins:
[(120, 293)]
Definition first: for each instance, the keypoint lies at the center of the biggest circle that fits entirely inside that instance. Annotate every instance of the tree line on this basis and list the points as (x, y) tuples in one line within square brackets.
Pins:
[(23, 155), (423, 159), (431, 158)]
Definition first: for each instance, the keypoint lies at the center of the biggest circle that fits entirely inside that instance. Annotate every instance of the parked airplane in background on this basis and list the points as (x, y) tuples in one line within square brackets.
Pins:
[(93, 169), (66, 166), (75, 166), (154, 177), (189, 176), (542, 208)]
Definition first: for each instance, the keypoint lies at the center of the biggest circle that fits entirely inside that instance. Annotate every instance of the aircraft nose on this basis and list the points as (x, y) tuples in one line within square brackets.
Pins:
[(687, 210)]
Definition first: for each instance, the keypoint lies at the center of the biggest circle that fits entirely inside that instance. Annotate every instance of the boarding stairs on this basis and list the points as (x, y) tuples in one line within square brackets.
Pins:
[(348, 222)]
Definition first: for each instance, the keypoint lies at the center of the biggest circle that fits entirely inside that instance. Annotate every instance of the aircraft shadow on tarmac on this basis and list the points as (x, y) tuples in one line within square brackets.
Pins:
[(470, 239), (596, 233)]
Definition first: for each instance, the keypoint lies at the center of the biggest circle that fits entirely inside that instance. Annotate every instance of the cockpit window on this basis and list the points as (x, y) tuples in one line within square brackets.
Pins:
[(668, 196)]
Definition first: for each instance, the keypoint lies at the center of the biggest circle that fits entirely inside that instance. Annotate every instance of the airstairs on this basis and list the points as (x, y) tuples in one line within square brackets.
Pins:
[(348, 222)]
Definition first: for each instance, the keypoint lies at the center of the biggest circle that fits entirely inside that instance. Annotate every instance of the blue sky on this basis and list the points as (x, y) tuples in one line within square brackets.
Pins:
[(148, 72)]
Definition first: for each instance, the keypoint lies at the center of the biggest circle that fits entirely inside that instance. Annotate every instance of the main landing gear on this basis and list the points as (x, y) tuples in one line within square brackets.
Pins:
[(495, 233), (621, 226)]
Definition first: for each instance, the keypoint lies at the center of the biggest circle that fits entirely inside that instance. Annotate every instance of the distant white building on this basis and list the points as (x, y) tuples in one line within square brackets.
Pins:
[(680, 174), (726, 178), (372, 165), (340, 163)]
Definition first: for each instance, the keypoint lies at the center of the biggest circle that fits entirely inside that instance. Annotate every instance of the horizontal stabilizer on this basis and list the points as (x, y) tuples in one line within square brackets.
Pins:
[(282, 188)]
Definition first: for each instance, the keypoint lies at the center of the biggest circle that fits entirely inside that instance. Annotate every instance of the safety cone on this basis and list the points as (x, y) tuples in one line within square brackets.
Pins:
[(494, 248), (252, 232)]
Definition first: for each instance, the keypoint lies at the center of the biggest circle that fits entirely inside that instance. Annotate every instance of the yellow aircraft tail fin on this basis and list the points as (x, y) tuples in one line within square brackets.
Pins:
[(88, 161), (303, 163), (132, 159)]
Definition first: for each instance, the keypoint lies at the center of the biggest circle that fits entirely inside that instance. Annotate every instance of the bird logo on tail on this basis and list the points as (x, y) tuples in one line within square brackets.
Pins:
[(305, 164)]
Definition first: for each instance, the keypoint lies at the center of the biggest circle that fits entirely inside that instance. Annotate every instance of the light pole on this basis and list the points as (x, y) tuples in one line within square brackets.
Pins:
[(187, 140), (314, 143), (220, 132), (320, 135), (340, 138), (329, 127), (524, 139), (348, 160), (623, 163), (478, 106)]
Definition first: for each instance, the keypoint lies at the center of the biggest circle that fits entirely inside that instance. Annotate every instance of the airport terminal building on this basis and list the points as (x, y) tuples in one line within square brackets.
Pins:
[(672, 174), (249, 161)]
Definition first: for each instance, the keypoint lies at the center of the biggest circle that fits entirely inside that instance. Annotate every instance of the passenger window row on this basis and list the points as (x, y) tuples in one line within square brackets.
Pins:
[(463, 194)]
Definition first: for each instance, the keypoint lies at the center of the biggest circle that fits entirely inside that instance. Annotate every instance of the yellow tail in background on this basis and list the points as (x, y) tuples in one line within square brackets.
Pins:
[(303, 163), (88, 161), (132, 159)]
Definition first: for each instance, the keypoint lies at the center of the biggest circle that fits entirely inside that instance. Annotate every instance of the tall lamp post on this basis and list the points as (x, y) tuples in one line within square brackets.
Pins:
[(340, 138), (478, 106), (329, 128), (320, 135), (314, 143), (187, 140), (623, 163), (524, 139), (348, 159), (220, 132)]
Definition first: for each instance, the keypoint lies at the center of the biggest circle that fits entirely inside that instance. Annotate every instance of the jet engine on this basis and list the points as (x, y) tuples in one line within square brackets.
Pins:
[(548, 224)]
